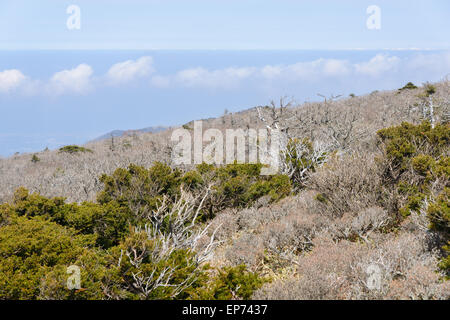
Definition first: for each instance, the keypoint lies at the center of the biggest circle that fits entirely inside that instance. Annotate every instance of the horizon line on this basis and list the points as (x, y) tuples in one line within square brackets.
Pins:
[(222, 49)]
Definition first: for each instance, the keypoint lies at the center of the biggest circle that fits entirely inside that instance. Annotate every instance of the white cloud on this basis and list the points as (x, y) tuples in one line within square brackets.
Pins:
[(76, 80), (270, 72), (234, 76), (224, 78), (11, 79), (417, 67), (439, 62), (378, 65), (334, 67), (130, 70), (317, 69)]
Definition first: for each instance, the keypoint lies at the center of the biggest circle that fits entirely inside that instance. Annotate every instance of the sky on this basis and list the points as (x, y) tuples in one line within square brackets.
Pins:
[(67, 78), (223, 24)]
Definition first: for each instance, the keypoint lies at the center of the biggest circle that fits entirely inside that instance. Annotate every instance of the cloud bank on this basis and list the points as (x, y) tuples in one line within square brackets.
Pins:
[(81, 80), (381, 65)]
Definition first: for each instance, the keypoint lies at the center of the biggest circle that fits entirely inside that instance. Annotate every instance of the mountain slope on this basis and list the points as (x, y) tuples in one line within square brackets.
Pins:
[(121, 133)]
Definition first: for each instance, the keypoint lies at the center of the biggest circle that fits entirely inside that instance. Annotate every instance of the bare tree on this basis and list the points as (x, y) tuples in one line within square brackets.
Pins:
[(171, 227), (297, 155)]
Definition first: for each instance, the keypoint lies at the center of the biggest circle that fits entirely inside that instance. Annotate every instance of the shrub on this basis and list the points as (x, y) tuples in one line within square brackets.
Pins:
[(300, 159), (99, 279), (429, 89), (40, 237), (30, 205), (109, 222), (247, 249), (32, 247), (349, 184), (414, 160), (233, 283), (439, 212), (150, 271), (35, 158), (240, 185), (231, 186), (341, 271), (74, 149), (140, 189), (444, 264), (408, 86), (403, 142)]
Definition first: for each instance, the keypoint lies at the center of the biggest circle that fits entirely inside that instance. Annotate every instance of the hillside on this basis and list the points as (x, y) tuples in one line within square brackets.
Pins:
[(360, 209), (352, 121), (122, 133)]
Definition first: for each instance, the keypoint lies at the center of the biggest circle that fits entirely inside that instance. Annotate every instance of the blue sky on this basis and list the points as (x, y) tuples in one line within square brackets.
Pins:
[(134, 64), (223, 24)]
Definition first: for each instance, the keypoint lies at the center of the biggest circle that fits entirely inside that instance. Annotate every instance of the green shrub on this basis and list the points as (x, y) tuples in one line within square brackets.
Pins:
[(321, 198), (35, 158), (404, 141), (240, 185), (109, 222), (429, 90), (439, 212), (422, 164), (416, 167), (99, 277), (232, 283), (140, 190), (408, 86), (232, 186), (139, 185), (74, 149), (180, 263), (414, 154), (277, 187), (445, 262), (30, 205), (32, 247), (40, 237), (192, 180)]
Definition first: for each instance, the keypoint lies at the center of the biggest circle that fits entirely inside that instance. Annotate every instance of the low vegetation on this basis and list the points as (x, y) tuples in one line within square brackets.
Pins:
[(73, 149), (145, 237), (359, 210)]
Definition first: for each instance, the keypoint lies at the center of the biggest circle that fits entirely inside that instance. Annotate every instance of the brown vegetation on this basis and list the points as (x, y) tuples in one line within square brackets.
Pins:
[(371, 222)]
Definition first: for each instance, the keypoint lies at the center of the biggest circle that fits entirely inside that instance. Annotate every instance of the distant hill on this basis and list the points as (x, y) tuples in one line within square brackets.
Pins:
[(123, 133)]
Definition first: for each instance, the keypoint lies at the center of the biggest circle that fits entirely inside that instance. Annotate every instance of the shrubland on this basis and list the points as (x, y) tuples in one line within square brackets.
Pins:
[(145, 236), (359, 210)]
